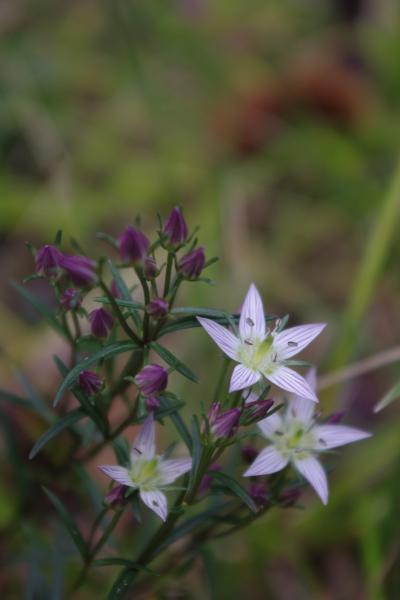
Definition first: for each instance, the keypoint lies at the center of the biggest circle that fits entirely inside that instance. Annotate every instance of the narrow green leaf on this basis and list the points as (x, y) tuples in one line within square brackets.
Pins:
[(235, 488), (68, 522), (64, 423), (58, 238), (124, 562), (104, 353), (388, 398), (14, 399), (174, 362), (197, 452), (123, 290), (121, 585), (177, 421), (37, 402), (42, 309)]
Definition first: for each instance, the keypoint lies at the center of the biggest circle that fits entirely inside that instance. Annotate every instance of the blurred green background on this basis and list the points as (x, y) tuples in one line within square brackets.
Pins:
[(275, 124)]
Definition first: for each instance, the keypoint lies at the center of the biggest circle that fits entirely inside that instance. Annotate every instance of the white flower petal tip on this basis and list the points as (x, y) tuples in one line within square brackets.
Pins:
[(268, 461), (242, 378), (291, 381), (333, 436), (293, 340), (311, 469), (174, 468), (252, 317), (157, 502), (224, 339), (144, 443), (119, 474)]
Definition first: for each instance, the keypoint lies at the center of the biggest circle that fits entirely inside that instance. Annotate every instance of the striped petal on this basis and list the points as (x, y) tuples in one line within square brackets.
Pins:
[(289, 380), (172, 469), (300, 408), (252, 318), (314, 473), (268, 461), (221, 336), (143, 445), (332, 436), (293, 340), (157, 502), (270, 425), (242, 378), (119, 474)]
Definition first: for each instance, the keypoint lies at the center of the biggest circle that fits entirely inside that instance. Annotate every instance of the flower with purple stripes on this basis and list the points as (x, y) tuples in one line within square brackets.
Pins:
[(175, 228), (148, 472), (295, 438), (80, 269), (133, 244), (262, 353), (101, 322), (48, 260)]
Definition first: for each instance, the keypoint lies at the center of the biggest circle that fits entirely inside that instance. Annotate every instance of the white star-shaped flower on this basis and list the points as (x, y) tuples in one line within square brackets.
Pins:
[(148, 472), (296, 438), (261, 352)]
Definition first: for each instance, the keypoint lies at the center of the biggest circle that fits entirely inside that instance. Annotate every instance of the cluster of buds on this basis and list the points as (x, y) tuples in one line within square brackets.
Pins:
[(51, 262), (151, 381)]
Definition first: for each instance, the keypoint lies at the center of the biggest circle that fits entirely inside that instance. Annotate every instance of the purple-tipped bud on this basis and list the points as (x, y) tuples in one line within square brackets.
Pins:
[(115, 290), (192, 264), (335, 417), (152, 403), (48, 260), (255, 411), (289, 497), (89, 382), (207, 479), (80, 269), (249, 453), (157, 308), (175, 227), (116, 496), (71, 299), (152, 379), (223, 425), (101, 321), (258, 491), (149, 268), (133, 244)]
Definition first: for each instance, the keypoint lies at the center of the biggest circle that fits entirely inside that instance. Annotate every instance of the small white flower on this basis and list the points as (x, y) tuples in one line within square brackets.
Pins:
[(261, 352), (148, 472), (296, 438)]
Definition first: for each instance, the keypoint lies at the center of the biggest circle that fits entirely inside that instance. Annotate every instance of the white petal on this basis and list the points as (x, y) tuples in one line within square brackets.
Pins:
[(268, 461), (172, 469), (292, 341), (332, 436), (271, 424), (221, 336), (119, 474), (252, 318), (289, 380), (312, 470), (157, 502), (143, 445), (242, 377)]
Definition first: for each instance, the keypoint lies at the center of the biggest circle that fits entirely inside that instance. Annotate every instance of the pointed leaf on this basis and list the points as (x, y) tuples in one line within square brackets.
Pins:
[(388, 398), (47, 314), (66, 421), (174, 362), (233, 486), (177, 420), (104, 353), (197, 451), (68, 522)]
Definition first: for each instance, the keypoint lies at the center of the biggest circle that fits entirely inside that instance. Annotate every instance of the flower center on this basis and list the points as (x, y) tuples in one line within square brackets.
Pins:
[(294, 442), (258, 355), (145, 473)]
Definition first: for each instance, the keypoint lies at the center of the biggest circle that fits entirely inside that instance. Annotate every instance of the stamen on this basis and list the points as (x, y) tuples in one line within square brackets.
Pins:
[(292, 344), (250, 322), (248, 342), (138, 451), (278, 432), (155, 503), (274, 357), (323, 442)]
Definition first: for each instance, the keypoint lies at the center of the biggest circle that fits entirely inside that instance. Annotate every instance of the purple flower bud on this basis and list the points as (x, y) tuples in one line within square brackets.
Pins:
[(152, 403), (207, 479), (152, 379), (80, 269), (48, 260), (115, 290), (101, 321), (157, 308), (192, 264), (258, 491), (223, 425), (289, 497), (89, 382), (255, 411), (116, 496), (149, 267), (335, 417), (133, 244), (71, 299), (175, 227), (249, 453)]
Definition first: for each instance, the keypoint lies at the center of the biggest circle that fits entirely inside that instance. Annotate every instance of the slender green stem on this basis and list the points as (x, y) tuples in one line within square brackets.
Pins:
[(221, 379), (146, 294), (168, 273), (117, 311)]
